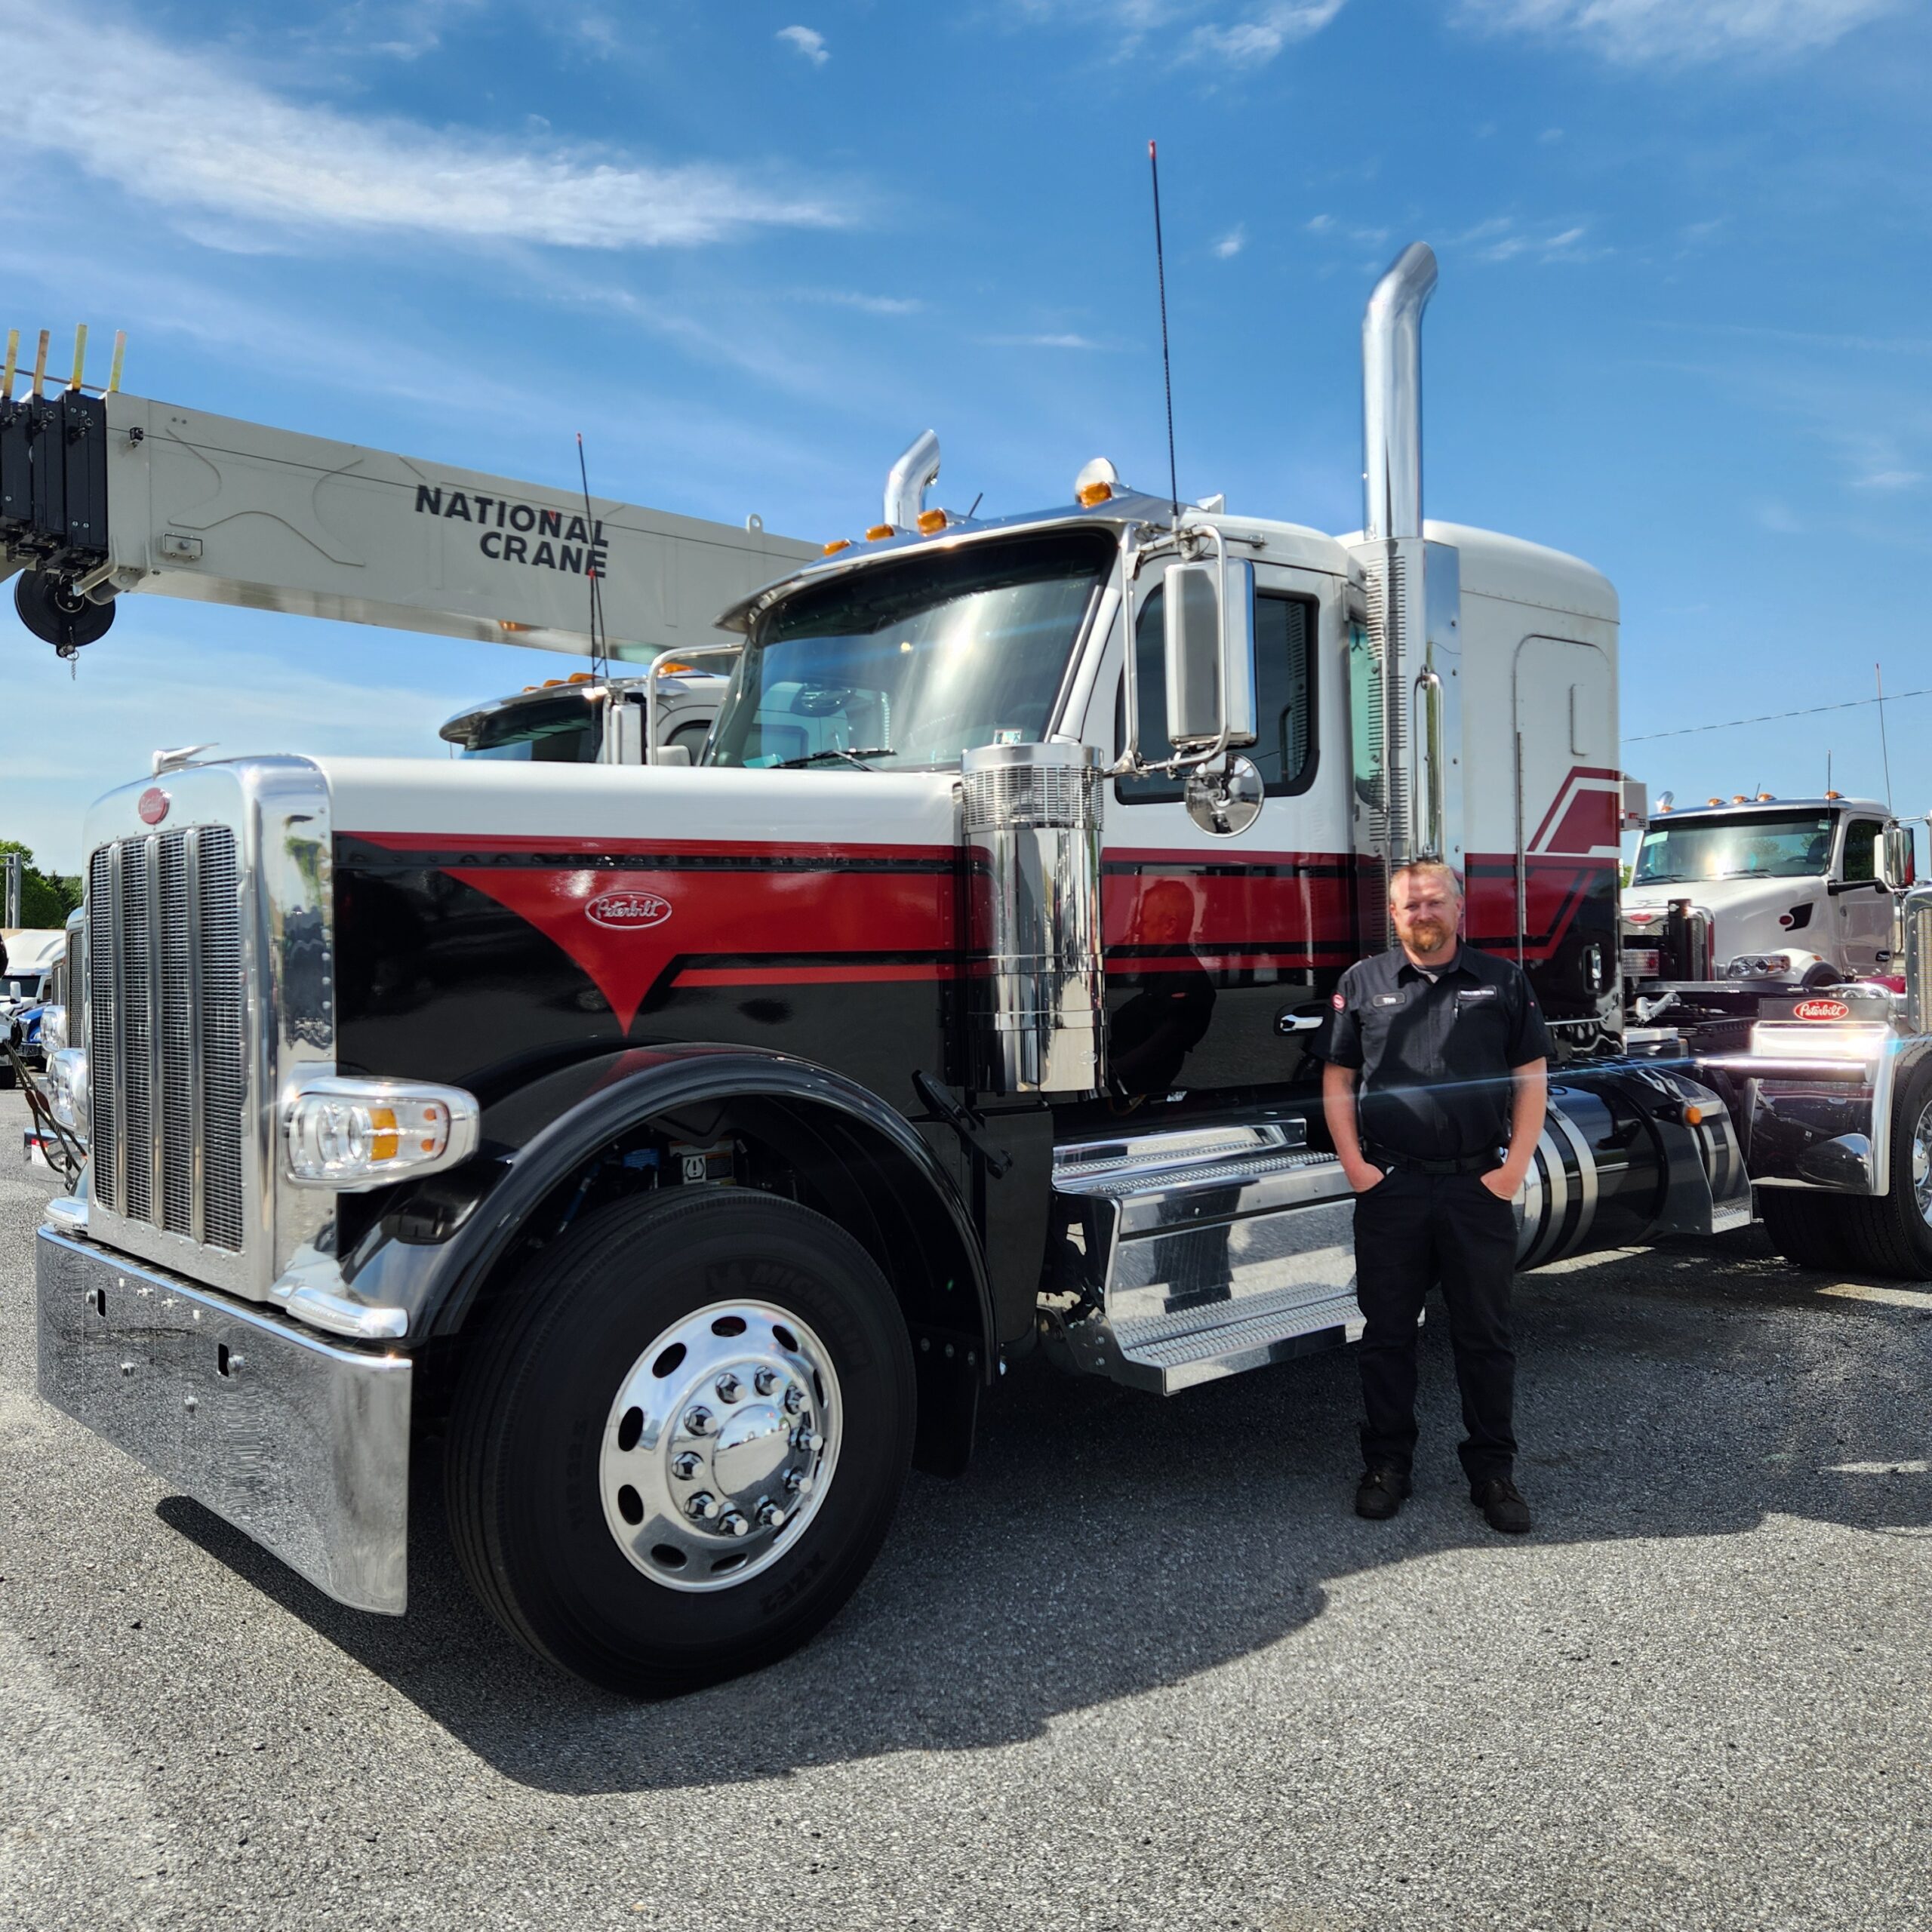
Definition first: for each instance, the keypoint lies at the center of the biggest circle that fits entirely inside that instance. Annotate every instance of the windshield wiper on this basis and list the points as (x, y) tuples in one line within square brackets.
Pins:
[(857, 757)]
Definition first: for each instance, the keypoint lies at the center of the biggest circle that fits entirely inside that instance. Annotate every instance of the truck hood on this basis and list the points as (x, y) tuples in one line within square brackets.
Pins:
[(481, 798), (1744, 912)]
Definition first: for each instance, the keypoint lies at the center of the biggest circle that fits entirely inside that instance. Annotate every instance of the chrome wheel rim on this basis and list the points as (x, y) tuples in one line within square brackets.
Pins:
[(1922, 1163), (720, 1446)]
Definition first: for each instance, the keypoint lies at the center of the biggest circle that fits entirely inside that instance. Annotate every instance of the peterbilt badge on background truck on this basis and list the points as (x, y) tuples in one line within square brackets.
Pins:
[(691, 1149)]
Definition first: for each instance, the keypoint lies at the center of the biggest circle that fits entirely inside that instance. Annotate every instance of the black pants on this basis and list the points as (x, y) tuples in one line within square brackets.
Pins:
[(1412, 1231)]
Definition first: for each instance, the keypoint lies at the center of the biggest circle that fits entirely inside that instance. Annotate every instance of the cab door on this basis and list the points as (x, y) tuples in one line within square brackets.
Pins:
[(1862, 914), (1221, 946)]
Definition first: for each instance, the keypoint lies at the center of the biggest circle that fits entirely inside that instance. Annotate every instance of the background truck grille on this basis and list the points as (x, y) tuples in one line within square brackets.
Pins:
[(165, 1051)]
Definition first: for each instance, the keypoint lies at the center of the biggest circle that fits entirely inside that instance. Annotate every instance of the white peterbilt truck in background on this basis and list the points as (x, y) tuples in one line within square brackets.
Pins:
[(687, 1151)]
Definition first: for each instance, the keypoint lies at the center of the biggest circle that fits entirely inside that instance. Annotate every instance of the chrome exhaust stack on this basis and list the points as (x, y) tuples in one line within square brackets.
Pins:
[(1391, 396), (909, 479), (1037, 990), (1414, 591)]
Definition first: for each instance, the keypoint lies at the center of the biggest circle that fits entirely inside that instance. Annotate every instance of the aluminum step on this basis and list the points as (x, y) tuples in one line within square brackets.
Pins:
[(1180, 1257)]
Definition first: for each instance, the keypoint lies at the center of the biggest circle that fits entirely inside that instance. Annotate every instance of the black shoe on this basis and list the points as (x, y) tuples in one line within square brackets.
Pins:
[(1380, 1493), (1502, 1504)]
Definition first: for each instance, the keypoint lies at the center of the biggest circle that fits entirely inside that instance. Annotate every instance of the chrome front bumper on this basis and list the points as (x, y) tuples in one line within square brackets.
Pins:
[(302, 1444)]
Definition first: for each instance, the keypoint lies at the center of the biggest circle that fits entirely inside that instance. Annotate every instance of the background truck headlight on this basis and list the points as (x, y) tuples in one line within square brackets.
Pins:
[(67, 1087), (352, 1134)]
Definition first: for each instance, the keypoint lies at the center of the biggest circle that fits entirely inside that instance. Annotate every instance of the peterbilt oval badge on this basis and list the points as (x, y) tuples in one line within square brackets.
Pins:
[(152, 805), (629, 911), (1821, 1009)]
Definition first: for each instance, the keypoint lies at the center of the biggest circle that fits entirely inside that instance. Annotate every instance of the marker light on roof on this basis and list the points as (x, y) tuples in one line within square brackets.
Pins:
[(1093, 494), (931, 522), (879, 532), (837, 544)]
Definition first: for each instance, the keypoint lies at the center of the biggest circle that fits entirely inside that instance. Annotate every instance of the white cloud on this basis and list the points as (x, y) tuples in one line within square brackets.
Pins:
[(866, 305), (1501, 239), (1640, 31), (1232, 243), (1254, 36), (197, 136), (1254, 42), (809, 42), (1066, 341)]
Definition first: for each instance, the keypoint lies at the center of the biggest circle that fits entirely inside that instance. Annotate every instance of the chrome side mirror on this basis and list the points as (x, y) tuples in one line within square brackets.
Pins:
[(1895, 858), (1210, 657)]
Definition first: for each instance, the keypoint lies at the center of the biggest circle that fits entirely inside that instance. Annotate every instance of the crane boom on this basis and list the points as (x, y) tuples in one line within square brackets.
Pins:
[(102, 496)]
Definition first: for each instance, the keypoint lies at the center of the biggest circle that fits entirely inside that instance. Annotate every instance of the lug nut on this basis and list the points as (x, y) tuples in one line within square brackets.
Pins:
[(803, 1440), (686, 1466), (729, 1387), (697, 1421), (700, 1505), (733, 1523), (794, 1482), (794, 1400), (765, 1380), (770, 1516)]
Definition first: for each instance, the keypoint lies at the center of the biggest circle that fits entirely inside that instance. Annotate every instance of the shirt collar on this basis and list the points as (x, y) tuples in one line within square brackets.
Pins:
[(1409, 969)]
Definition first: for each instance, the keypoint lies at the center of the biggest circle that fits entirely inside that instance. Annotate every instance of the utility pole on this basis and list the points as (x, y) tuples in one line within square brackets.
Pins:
[(14, 882)]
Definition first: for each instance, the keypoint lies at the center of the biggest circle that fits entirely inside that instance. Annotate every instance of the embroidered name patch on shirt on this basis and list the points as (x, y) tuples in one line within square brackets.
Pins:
[(1466, 996), (1388, 999)]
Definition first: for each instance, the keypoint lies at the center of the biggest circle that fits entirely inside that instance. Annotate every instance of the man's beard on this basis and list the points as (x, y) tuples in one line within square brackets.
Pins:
[(1428, 935)]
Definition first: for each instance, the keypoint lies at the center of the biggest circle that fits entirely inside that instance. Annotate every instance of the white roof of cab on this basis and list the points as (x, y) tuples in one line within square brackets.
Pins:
[(1506, 566)]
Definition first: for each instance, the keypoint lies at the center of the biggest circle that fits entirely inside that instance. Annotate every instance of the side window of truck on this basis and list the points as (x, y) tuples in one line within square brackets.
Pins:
[(1861, 851), (1284, 753)]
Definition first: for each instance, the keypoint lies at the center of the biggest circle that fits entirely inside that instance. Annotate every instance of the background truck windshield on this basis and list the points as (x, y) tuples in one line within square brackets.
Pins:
[(564, 730), (1797, 846), (916, 661)]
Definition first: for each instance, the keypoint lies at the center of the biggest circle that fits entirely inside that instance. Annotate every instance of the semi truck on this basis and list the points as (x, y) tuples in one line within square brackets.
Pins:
[(1805, 888), (687, 1152)]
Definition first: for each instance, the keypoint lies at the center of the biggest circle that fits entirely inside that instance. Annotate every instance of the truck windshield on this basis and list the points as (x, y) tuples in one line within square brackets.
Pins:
[(559, 730), (915, 661), (1798, 846)]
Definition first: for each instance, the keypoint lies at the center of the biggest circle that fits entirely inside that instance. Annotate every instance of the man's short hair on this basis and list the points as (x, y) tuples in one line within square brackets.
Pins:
[(1435, 866)]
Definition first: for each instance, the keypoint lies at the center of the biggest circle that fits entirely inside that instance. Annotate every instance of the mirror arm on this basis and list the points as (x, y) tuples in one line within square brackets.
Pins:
[(666, 656)]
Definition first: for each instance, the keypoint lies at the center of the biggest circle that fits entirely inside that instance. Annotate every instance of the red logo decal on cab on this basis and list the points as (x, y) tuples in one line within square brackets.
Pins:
[(152, 805), (628, 911), (1821, 1009)]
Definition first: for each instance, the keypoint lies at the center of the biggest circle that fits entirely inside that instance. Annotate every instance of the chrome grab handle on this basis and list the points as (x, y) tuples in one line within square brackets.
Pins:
[(1427, 801)]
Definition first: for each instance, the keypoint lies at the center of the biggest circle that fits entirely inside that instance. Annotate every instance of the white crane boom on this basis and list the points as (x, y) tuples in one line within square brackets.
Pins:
[(102, 496)]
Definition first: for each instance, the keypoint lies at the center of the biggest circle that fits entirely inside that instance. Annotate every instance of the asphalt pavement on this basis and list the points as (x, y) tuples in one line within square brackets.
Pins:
[(1142, 1668)]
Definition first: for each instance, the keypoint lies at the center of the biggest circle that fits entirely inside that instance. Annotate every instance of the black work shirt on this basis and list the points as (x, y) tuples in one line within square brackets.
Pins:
[(1434, 1058)]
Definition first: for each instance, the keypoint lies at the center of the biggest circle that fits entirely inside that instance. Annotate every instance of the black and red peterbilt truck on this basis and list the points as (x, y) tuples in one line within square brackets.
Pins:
[(693, 1148)]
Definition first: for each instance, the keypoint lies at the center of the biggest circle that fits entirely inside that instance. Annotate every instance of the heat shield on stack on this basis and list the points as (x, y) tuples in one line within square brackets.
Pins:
[(1032, 832)]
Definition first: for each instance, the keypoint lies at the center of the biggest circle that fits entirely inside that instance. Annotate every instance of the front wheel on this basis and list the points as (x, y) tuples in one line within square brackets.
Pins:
[(682, 1440)]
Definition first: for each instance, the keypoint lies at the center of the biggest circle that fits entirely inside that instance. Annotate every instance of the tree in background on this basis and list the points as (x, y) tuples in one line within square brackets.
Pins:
[(46, 898)]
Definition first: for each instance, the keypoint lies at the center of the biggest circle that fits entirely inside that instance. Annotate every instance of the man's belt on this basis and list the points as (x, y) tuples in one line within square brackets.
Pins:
[(1414, 1163)]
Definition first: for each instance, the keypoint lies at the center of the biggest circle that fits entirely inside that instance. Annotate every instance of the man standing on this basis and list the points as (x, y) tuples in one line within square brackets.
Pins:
[(1434, 1093)]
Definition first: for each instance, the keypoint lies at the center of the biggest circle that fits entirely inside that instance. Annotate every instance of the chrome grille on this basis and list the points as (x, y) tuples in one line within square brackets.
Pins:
[(166, 1054)]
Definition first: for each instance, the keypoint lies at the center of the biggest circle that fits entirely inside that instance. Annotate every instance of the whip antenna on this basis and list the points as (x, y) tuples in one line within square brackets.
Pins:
[(1167, 365), (600, 662), (1885, 750)]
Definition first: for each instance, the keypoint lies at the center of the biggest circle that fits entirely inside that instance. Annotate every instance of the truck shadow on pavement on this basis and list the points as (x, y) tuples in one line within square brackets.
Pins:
[(1107, 1543)]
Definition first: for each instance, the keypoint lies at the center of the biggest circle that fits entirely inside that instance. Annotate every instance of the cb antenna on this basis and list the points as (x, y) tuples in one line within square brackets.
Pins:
[(1885, 750), (1167, 365), (600, 662)]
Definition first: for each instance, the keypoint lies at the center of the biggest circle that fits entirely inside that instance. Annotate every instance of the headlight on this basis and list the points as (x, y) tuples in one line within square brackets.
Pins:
[(52, 1027), (1759, 966), (67, 1087), (353, 1134)]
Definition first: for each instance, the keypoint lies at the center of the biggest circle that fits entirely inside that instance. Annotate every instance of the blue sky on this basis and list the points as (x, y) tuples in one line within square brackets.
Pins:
[(750, 250)]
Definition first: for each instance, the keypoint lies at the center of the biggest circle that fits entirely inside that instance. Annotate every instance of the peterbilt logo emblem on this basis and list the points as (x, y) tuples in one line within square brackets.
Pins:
[(152, 805), (1821, 1009), (627, 911)]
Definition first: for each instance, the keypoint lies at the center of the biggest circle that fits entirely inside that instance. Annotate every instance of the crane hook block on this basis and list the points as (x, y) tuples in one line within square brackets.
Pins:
[(57, 614)]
